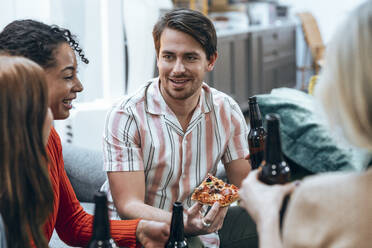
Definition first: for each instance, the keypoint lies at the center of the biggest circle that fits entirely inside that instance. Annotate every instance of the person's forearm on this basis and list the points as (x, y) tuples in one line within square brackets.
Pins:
[(269, 233), (140, 210), (237, 170)]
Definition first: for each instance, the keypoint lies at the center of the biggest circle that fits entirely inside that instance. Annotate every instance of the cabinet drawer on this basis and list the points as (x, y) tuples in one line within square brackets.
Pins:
[(278, 42), (222, 75), (279, 73), (286, 72)]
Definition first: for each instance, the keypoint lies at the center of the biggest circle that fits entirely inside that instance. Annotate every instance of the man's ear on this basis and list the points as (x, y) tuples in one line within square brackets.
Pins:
[(157, 60), (212, 60)]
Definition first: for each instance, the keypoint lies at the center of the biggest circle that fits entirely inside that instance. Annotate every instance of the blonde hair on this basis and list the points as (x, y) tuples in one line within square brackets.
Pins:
[(345, 83)]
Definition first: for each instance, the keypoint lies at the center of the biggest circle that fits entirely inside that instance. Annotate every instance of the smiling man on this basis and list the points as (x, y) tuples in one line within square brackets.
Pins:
[(161, 142)]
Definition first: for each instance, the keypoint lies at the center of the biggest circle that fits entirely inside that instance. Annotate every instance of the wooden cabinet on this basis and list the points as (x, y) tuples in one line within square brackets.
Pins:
[(222, 75), (255, 62), (240, 68), (230, 72), (273, 59)]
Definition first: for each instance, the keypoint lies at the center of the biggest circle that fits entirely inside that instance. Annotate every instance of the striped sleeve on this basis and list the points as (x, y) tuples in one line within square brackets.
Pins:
[(237, 146), (121, 141)]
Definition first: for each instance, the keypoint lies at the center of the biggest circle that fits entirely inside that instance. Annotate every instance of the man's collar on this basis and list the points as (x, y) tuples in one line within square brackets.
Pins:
[(155, 103)]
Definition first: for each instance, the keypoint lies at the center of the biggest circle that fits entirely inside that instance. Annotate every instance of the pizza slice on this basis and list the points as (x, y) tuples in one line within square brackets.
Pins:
[(213, 190)]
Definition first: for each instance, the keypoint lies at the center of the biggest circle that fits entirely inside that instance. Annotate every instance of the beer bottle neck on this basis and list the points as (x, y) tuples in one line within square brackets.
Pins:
[(177, 228), (254, 116), (273, 151), (101, 224)]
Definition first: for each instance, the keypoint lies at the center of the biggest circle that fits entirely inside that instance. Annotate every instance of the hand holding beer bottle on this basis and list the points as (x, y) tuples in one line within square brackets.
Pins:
[(101, 227), (262, 200), (274, 169), (177, 235)]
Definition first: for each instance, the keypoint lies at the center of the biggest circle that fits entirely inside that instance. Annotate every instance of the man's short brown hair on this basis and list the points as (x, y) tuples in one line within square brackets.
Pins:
[(190, 22)]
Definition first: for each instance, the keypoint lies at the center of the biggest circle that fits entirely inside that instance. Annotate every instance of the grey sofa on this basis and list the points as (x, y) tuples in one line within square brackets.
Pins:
[(84, 169)]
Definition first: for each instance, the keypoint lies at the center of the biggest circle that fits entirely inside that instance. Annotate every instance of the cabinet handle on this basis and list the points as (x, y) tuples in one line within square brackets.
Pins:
[(275, 36)]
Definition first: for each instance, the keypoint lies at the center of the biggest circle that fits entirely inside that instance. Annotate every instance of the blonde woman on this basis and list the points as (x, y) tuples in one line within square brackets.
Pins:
[(335, 209)]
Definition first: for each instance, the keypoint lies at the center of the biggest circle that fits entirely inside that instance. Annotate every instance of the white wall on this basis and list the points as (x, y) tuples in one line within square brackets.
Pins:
[(329, 13), (98, 25), (139, 19), (17, 9)]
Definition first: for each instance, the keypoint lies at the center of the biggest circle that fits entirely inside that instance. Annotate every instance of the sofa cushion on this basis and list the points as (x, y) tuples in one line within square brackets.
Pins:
[(84, 167), (306, 137)]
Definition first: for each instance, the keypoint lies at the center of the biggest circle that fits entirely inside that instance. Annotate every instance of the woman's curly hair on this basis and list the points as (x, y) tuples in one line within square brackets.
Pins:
[(37, 41)]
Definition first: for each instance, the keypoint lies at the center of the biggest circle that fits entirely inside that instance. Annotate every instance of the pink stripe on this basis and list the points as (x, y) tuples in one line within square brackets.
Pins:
[(175, 186), (160, 163), (141, 114), (115, 134), (137, 136), (209, 142), (225, 121), (226, 125), (156, 102), (237, 141), (186, 173)]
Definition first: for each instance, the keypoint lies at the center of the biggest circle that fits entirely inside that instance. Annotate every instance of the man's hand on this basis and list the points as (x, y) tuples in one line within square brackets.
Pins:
[(197, 224), (260, 200), (152, 234)]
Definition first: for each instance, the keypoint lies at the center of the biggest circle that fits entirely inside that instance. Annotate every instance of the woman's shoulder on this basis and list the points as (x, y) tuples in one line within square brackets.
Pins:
[(328, 206), (331, 189), (334, 183)]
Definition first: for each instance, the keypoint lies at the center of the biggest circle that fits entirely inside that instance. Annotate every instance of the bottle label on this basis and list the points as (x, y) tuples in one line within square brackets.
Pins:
[(256, 150), (275, 173), (256, 158)]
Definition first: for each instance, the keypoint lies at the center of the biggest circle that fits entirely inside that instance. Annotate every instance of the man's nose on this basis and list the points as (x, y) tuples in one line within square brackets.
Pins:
[(179, 67), (78, 87)]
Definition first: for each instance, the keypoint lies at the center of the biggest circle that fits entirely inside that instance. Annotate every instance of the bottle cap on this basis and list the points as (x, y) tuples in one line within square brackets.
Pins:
[(100, 196), (252, 99), (272, 120)]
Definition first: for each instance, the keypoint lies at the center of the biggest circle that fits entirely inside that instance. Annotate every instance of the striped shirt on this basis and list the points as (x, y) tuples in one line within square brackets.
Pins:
[(143, 134)]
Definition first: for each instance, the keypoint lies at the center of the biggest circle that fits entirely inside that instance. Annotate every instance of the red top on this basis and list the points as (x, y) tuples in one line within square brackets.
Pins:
[(74, 226)]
